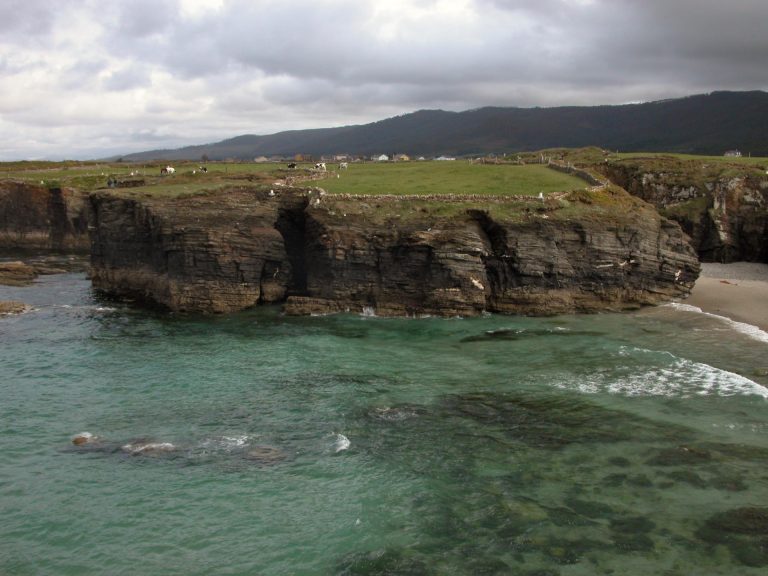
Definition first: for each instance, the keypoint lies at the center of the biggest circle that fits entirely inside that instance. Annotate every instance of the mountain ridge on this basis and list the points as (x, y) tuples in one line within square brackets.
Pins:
[(698, 124)]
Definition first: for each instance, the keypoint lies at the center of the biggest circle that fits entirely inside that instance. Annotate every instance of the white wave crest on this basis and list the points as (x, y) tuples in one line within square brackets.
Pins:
[(341, 443), (225, 443), (680, 378), (148, 447), (744, 328)]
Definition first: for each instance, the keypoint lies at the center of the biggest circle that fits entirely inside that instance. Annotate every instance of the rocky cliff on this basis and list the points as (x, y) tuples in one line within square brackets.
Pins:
[(37, 217), (208, 253), (224, 251), (723, 208)]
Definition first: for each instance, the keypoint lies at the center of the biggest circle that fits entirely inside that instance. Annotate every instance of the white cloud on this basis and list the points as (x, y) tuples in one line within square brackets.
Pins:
[(83, 75)]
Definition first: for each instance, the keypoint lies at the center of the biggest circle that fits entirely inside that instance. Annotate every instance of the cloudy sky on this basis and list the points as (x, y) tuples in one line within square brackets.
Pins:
[(89, 78)]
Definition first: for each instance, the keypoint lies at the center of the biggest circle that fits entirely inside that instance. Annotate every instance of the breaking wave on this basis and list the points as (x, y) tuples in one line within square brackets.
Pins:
[(742, 327), (674, 376)]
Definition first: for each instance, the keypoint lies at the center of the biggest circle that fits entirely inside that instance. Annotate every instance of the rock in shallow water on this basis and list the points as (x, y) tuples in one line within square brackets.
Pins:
[(147, 447), (16, 274), (8, 307), (83, 438)]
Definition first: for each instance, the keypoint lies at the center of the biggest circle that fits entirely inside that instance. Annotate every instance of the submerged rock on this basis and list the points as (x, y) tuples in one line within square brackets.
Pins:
[(551, 422), (522, 333), (590, 509), (632, 542), (747, 520), (743, 530), (632, 525), (265, 455), (680, 456), (688, 477), (382, 563), (396, 413), (569, 551)]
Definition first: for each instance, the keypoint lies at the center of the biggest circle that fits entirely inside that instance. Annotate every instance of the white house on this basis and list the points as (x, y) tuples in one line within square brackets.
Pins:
[(382, 158)]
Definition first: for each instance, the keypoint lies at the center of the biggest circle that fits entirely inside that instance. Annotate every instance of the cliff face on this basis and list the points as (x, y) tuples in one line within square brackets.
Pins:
[(208, 254), (535, 261), (723, 211), (391, 256), (40, 218)]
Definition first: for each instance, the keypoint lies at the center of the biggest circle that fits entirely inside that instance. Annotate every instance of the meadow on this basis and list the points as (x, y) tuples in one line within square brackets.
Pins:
[(458, 177), (377, 178)]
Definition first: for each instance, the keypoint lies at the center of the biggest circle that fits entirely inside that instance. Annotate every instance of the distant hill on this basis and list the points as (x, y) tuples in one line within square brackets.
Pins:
[(701, 124)]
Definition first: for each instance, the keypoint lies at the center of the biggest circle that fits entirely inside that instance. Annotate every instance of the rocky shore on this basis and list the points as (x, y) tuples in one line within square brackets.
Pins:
[(228, 250)]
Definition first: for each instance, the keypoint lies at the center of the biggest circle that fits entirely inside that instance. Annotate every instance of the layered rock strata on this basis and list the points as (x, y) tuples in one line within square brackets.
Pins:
[(723, 209), (208, 253), (38, 217), (387, 255)]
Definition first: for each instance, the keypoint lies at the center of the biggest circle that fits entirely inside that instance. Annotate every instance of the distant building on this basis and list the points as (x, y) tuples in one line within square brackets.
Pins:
[(444, 158), (382, 158), (261, 159), (402, 158), (733, 154)]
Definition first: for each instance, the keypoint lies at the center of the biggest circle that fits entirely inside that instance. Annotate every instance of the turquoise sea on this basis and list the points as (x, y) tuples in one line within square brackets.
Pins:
[(624, 444)]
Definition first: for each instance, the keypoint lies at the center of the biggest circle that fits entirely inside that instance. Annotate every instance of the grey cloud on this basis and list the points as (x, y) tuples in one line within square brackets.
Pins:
[(143, 18), (278, 65), (127, 79), (22, 18)]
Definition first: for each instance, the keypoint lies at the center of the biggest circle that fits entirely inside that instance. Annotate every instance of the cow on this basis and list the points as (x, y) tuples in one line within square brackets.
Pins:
[(320, 166), (292, 166), (167, 170), (343, 166)]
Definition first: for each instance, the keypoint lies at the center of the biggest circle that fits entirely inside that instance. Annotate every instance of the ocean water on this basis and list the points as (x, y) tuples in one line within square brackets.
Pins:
[(255, 443)]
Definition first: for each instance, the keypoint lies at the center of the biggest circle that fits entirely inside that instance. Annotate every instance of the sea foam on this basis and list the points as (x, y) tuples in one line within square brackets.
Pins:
[(744, 328), (675, 377)]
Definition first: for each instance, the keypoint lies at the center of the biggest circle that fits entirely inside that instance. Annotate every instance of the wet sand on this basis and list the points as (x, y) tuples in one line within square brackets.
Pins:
[(738, 291)]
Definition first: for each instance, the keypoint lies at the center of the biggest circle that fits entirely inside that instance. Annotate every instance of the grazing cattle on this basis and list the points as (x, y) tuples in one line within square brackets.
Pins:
[(167, 170), (320, 166), (343, 166), (292, 166), (203, 169)]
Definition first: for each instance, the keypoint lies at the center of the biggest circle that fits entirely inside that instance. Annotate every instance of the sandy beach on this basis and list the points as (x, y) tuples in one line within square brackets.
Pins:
[(738, 291)]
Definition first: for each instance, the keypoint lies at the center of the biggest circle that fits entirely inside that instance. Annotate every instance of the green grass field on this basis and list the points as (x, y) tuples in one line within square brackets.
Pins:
[(459, 177), (744, 160), (88, 176), (372, 178), (403, 178)]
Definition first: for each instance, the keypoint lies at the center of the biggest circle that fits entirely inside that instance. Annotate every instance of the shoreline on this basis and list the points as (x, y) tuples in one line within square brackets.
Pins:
[(738, 291)]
